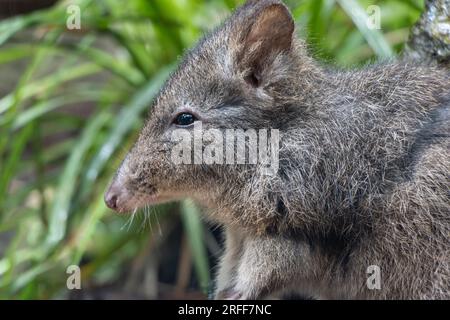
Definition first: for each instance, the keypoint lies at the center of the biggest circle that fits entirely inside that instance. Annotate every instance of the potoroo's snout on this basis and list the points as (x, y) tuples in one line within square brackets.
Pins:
[(114, 196)]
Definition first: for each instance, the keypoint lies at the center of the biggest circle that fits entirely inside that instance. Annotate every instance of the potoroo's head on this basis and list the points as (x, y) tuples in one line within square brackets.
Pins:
[(244, 75)]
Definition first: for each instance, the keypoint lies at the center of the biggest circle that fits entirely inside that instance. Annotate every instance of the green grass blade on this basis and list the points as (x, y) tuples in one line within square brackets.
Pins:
[(195, 232), (46, 106), (55, 80), (10, 54), (60, 210), (373, 37), (13, 160)]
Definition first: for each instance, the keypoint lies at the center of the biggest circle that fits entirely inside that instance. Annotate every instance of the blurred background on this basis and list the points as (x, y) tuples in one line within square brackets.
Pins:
[(76, 82)]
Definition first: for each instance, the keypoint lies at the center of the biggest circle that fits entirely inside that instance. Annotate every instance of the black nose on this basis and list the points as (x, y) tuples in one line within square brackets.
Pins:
[(111, 200), (116, 197)]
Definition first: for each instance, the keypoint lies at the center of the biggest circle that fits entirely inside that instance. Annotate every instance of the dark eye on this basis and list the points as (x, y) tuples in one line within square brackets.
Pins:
[(184, 119)]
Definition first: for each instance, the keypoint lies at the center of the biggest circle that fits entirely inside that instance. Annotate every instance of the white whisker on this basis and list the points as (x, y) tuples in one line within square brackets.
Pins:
[(132, 218), (157, 221)]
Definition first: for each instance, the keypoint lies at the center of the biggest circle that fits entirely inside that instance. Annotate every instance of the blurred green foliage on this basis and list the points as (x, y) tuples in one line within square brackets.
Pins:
[(73, 102)]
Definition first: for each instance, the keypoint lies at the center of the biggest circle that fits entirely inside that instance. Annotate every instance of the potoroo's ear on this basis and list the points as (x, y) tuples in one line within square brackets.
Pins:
[(266, 29)]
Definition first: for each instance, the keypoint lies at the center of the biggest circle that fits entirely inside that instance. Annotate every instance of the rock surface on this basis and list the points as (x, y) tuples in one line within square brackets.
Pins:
[(430, 37)]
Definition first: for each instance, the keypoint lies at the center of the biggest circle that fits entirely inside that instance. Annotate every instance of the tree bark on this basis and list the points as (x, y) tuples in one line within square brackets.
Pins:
[(430, 37)]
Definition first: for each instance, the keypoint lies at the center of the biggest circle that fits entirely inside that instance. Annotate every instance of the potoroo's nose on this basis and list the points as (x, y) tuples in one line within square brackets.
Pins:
[(112, 197)]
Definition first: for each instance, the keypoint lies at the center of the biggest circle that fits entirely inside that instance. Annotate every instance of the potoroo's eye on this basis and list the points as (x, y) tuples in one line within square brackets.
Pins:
[(184, 119)]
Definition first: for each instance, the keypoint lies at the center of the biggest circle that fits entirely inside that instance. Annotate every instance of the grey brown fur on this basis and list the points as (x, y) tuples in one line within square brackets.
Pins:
[(364, 165)]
